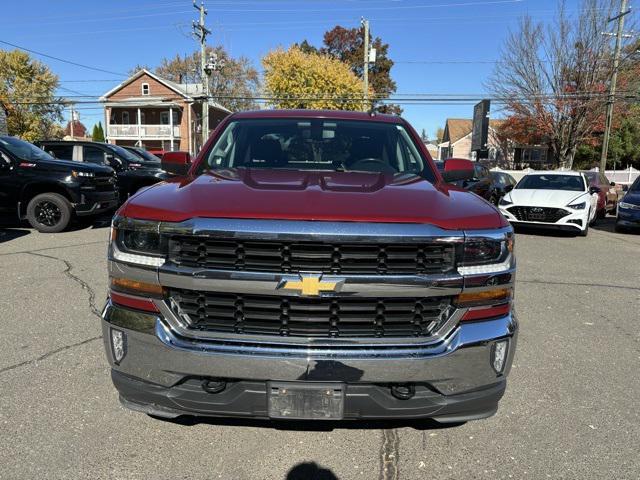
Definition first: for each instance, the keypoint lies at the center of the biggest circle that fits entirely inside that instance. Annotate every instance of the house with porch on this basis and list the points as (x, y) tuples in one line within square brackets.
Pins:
[(456, 143), (149, 111)]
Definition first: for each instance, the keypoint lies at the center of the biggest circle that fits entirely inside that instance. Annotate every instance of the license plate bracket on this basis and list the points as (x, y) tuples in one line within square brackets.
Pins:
[(305, 401)]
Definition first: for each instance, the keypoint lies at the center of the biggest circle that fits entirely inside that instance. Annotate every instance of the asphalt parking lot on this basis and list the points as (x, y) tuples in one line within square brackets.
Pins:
[(570, 411)]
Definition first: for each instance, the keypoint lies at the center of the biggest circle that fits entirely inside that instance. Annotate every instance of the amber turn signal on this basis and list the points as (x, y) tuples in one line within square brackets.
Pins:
[(484, 297), (135, 287)]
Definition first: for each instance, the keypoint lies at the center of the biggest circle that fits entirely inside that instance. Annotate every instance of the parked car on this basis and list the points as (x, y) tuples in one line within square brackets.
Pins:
[(480, 182), (133, 172), (502, 182), (312, 265), (628, 213), (607, 196), (145, 155), (49, 192), (557, 199)]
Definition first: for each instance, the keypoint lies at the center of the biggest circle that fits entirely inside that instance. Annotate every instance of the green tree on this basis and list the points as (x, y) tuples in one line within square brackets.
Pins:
[(98, 132), (307, 80), (347, 45), (28, 87), (234, 85)]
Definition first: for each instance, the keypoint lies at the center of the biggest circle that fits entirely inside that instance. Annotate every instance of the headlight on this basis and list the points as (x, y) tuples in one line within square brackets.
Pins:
[(76, 174), (578, 206), (486, 255), (504, 202), (628, 206), (139, 243)]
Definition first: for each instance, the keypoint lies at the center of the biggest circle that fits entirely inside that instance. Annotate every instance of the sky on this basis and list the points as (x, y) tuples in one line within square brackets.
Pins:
[(444, 47)]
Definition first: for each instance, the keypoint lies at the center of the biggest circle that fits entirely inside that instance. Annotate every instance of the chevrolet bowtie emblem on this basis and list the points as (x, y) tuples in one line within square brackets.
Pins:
[(309, 285)]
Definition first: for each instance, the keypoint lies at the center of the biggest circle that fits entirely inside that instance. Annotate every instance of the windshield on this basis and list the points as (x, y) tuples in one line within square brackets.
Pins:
[(573, 183), (144, 155), (124, 153), (635, 186), (24, 150), (316, 144)]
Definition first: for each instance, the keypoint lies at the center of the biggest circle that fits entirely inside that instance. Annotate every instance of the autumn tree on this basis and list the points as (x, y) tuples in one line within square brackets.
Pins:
[(28, 88), (552, 78), (234, 85), (347, 45), (296, 79)]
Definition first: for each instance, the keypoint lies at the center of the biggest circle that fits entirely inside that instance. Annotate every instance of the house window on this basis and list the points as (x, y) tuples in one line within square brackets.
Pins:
[(145, 89), (125, 118), (164, 118)]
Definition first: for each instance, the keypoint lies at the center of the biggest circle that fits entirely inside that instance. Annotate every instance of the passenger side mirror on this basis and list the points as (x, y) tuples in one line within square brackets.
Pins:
[(593, 190), (176, 163)]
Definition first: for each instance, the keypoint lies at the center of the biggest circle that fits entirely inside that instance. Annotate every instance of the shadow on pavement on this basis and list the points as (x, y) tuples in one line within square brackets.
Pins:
[(310, 426), (310, 471), (7, 234)]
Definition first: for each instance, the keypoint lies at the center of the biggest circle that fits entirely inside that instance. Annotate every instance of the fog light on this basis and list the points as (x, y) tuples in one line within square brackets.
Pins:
[(118, 345), (499, 355)]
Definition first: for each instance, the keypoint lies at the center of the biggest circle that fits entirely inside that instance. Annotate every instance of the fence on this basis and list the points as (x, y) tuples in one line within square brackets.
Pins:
[(626, 176)]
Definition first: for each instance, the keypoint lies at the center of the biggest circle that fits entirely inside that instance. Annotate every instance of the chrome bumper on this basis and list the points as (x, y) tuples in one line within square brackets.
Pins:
[(458, 363)]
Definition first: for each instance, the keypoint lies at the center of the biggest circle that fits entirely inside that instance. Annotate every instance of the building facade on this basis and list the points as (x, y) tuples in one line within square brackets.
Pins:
[(151, 112), (456, 143)]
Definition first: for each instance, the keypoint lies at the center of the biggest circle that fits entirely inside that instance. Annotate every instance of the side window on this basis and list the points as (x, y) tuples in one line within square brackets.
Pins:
[(409, 159), (477, 171), (63, 152), (223, 152), (93, 155)]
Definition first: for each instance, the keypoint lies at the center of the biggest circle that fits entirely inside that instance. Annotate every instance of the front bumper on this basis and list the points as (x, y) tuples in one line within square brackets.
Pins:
[(628, 217), (92, 203), (567, 223), (454, 379)]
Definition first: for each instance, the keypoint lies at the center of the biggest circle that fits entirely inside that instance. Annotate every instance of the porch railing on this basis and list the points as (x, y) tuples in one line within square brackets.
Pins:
[(142, 131)]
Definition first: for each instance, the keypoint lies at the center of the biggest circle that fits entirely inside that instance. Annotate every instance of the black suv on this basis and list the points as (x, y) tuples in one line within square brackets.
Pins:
[(133, 171), (46, 191)]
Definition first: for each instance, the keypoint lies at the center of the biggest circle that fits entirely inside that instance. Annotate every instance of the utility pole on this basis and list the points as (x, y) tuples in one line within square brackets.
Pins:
[(612, 85), (201, 32), (365, 71), (72, 121)]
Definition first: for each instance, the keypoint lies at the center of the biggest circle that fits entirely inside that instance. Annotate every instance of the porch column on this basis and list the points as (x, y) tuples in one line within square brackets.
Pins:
[(139, 129), (171, 126)]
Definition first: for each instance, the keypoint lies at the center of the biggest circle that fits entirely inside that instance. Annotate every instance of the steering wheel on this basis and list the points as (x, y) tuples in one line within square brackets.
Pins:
[(372, 165)]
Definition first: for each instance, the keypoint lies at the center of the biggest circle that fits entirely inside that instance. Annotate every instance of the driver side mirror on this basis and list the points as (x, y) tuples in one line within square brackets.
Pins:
[(508, 188), (176, 163), (593, 190)]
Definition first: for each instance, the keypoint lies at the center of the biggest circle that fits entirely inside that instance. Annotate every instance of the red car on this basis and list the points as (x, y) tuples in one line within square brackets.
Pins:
[(310, 265), (607, 196)]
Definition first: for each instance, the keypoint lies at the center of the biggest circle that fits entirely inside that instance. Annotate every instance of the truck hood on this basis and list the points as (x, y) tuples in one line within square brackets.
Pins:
[(545, 198), (313, 195)]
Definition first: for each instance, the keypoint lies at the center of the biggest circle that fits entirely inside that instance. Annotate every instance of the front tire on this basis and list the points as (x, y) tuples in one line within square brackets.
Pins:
[(49, 212)]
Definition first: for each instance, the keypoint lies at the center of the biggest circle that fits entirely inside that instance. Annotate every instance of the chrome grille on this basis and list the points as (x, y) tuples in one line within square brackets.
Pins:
[(293, 257), (331, 317)]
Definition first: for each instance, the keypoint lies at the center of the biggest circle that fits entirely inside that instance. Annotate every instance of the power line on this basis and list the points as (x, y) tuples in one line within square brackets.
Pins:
[(62, 60)]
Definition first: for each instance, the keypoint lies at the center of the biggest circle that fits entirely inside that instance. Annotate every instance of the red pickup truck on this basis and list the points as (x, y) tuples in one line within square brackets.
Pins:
[(311, 265)]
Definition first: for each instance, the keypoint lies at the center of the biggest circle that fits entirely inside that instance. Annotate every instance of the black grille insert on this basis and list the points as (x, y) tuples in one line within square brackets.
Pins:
[(329, 317), (538, 214), (293, 257)]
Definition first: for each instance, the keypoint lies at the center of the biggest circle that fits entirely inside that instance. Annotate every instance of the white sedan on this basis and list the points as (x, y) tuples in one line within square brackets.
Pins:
[(555, 199)]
